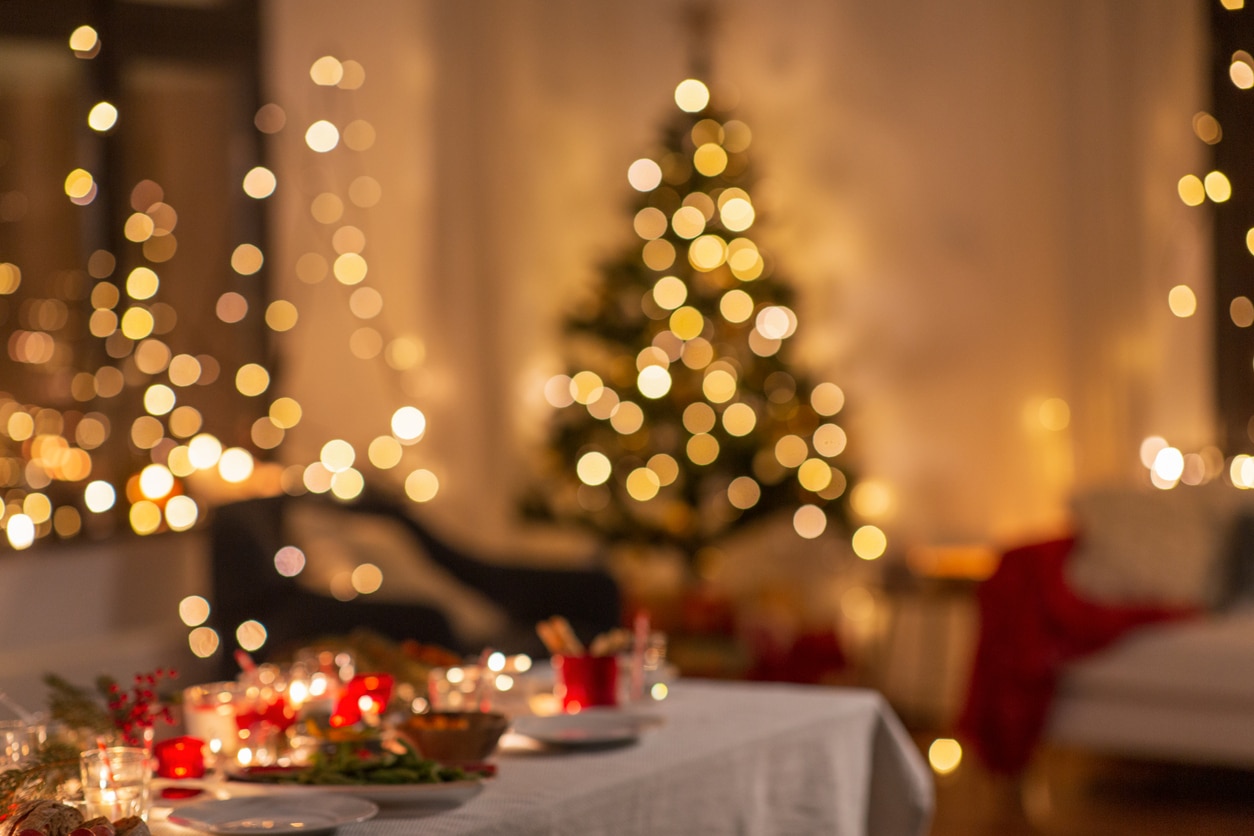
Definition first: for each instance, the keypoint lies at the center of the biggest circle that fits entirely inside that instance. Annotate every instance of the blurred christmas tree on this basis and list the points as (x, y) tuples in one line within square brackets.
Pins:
[(681, 417)]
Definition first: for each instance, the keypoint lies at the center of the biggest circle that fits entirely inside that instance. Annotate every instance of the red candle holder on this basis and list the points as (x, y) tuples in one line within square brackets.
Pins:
[(180, 757), (366, 693)]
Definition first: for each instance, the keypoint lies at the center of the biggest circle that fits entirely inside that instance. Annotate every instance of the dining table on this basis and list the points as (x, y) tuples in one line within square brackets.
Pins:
[(713, 757)]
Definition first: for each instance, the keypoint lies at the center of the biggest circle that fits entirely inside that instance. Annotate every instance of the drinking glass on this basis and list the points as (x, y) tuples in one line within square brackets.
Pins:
[(116, 782)]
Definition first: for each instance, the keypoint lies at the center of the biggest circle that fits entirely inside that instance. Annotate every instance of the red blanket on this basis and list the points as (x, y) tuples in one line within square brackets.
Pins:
[(1031, 624)]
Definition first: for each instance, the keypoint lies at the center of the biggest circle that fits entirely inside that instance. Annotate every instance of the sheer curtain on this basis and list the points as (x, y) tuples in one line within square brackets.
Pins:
[(976, 201)]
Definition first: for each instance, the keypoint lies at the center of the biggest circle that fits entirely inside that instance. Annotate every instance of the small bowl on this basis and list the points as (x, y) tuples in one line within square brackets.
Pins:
[(454, 737)]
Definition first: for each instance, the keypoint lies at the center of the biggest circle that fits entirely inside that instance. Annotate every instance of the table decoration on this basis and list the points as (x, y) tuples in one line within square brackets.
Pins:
[(117, 782), (180, 757)]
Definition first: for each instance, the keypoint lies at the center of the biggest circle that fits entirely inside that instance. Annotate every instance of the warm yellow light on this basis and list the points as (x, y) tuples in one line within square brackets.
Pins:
[(688, 222), (251, 380), (251, 635), (156, 481), (84, 39), (422, 485), (184, 370), (809, 521), (138, 227), (347, 484), (181, 513), (193, 611), (79, 183), (653, 381), (710, 159), (743, 492), (627, 418), (585, 387), (739, 419), (316, 478), (829, 440), (20, 530), (814, 475), (1217, 186), (385, 452), (670, 292), (736, 306), (691, 95), (1232, 5), (260, 182), (21, 426), (718, 385), (285, 413), (869, 542), (707, 252), (644, 175), (1241, 310), (1168, 464), (145, 517), (38, 507), (367, 578), (872, 499), (102, 117), (658, 255), (203, 642), (158, 399), (593, 468), (350, 269), (1240, 72), (265, 434), (408, 424), (776, 322), (702, 449), (649, 223), (322, 136), (365, 303), (687, 322), (235, 465), (791, 451), (1054, 414), (944, 755), (204, 451), (99, 496), (827, 399), (1191, 190), (1207, 128), (737, 214), (326, 71), (699, 418), (359, 135), (281, 315), (11, 279), (1182, 301), (642, 484), (337, 454), (137, 323)]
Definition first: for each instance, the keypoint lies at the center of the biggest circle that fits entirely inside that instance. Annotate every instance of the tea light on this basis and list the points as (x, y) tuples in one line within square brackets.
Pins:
[(180, 757)]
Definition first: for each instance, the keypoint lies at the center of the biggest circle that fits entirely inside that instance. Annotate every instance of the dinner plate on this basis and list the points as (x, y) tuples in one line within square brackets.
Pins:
[(591, 727), (265, 814)]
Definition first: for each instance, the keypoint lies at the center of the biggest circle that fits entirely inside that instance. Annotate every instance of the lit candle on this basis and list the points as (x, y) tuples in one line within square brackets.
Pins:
[(180, 757)]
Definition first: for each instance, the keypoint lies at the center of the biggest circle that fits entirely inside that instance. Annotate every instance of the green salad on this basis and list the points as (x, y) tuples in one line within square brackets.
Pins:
[(350, 764)]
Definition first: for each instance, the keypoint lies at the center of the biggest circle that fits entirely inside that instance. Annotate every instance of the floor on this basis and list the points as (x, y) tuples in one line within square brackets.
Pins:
[(1077, 794)]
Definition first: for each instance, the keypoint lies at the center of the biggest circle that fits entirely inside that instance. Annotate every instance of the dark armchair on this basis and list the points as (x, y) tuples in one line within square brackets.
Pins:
[(245, 537)]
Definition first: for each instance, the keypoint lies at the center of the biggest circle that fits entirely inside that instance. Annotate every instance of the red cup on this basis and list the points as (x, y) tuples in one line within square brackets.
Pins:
[(586, 681)]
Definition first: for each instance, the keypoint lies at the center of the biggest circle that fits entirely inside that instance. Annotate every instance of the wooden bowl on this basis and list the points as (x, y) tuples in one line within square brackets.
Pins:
[(454, 737)]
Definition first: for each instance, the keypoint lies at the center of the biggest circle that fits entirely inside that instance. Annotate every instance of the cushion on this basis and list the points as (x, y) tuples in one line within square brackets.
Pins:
[(337, 541), (1151, 546)]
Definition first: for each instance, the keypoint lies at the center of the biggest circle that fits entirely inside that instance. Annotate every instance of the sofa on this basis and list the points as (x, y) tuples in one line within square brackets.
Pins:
[(1132, 636)]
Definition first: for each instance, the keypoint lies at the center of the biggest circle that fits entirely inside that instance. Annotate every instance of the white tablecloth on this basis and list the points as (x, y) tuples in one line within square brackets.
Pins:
[(727, 758)]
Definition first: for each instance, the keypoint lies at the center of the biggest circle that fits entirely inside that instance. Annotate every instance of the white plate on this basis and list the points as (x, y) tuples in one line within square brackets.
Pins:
[(593, 727), (265, 814), (445, 792)]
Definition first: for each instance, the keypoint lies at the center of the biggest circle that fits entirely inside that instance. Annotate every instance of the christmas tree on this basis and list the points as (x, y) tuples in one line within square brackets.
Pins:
[(681, 416)]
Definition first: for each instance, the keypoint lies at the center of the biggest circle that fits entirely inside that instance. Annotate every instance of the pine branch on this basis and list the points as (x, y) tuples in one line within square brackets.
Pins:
[(54, 763)]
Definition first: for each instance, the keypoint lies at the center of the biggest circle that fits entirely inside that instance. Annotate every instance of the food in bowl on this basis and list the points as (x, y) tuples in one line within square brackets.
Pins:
[(454, 737)]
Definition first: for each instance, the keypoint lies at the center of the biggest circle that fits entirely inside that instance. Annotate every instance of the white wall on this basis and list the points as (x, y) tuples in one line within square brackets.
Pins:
[(976, 200)]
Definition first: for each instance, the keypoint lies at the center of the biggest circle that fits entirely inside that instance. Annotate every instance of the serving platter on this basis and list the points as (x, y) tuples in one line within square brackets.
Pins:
[(591, 727)]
